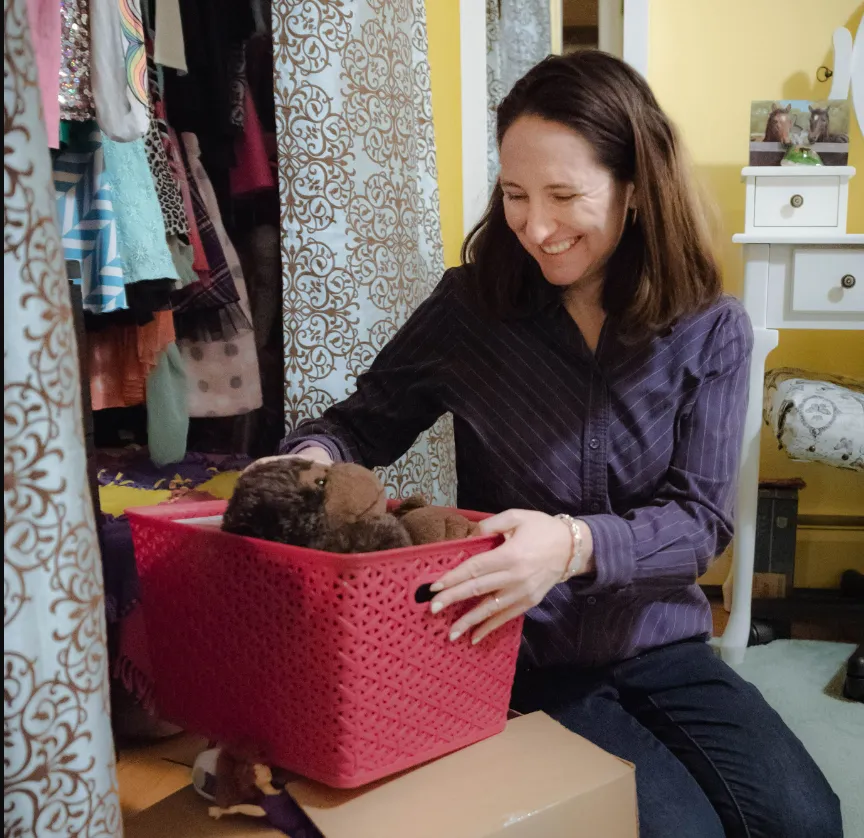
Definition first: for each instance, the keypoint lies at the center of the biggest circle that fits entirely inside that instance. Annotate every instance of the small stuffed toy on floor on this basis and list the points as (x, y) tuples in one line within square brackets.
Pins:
[(235, 786), (339, 508)]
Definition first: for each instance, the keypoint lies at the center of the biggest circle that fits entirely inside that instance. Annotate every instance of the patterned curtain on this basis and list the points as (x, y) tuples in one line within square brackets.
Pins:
[(518, 35), (361, 231), (59, 776)]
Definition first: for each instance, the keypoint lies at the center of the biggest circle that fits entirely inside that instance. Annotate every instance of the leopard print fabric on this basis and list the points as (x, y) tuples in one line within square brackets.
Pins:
[(155, 141)]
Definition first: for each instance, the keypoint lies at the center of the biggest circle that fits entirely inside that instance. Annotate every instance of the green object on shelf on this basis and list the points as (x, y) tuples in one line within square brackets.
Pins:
[(801, 155)]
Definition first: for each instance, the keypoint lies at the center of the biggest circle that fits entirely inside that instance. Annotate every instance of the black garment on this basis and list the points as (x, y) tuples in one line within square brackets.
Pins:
[(199, 101), (142, 299)]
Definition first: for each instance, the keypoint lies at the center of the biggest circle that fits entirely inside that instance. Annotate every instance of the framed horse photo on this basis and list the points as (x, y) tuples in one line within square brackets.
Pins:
[(779, 125)]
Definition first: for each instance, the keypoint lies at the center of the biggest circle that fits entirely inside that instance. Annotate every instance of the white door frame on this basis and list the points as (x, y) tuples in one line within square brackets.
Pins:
[(472, 48), (472, 34), (637, 21), (610, 26)]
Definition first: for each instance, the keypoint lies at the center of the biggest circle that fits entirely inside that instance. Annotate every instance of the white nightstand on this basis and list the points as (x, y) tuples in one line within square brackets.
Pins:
[(801, 271)]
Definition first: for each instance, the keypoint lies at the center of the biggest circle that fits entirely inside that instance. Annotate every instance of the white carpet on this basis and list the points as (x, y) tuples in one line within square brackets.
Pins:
[(802, 680)]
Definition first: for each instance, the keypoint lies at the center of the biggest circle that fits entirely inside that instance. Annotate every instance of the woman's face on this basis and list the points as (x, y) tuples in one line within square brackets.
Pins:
[(567, 210)]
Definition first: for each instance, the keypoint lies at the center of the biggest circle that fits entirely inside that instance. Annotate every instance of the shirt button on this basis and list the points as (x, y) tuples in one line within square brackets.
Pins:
[(592, 600), (594, 444), (595, 506)]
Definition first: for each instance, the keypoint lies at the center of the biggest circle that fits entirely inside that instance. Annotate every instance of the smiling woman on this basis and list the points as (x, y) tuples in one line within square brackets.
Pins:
[(594, 186), (597, 379)]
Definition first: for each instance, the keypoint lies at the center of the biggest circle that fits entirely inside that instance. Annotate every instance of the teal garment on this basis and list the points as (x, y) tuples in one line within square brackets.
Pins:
[(183, 257), (167, 408), (140, 225)]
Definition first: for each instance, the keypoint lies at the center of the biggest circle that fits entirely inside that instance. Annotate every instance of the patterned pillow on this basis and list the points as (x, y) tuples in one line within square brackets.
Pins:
[(816, 417)]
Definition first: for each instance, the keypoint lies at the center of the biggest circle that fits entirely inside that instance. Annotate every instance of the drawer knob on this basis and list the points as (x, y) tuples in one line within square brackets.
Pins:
[(848, 281), (797, 201)]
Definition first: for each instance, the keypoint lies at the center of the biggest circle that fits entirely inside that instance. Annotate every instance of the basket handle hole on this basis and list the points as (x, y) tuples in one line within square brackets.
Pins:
[(424, 593)]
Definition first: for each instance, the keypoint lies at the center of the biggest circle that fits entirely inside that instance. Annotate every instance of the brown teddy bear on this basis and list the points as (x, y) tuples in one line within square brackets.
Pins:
[(339, 508), (430, 524)]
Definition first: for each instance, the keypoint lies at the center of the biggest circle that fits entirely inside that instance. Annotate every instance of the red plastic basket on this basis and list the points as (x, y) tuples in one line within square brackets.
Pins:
[(324, 664)]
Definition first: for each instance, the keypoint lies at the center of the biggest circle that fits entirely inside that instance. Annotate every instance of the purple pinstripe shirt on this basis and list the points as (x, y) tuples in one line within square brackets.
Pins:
[(642, 443)]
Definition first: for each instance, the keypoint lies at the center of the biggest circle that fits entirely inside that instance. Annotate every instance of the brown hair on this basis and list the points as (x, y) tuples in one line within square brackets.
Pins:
[(664, 267)]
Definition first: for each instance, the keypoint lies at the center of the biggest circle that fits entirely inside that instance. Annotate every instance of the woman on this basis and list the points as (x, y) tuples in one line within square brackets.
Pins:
[(595, 369)]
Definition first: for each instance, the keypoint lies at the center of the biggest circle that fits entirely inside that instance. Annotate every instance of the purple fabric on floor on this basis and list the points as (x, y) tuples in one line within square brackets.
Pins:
[(284, 814), (122, 590)]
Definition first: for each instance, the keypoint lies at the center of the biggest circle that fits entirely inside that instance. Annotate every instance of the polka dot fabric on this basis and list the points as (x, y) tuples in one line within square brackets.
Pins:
[(323, 664), (223, 375)]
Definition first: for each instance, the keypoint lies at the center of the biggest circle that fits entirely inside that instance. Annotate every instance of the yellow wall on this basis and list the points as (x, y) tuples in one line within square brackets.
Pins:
[(442, 21), (707, 61)]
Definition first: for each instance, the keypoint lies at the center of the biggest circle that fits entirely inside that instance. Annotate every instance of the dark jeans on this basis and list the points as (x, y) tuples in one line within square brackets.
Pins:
[(712, 758)]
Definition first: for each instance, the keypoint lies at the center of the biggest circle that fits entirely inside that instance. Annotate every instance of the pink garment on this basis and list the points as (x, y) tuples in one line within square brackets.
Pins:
[(199, 263), (44, 19), (252, 171)]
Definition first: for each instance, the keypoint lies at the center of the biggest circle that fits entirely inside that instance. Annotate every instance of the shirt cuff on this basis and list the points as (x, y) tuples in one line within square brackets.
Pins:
[(299, 444), (614, 558)]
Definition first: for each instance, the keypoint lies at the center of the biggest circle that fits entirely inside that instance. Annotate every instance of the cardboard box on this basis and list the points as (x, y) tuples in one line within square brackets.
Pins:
[(534, 780)]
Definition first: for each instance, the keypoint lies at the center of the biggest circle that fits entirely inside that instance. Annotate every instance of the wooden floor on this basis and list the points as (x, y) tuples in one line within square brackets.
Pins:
[(148, 773)]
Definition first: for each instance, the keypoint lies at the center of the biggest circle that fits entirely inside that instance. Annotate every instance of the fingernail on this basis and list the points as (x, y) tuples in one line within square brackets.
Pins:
[(475, 640), (436, 587), (454, 636), (436, 607)]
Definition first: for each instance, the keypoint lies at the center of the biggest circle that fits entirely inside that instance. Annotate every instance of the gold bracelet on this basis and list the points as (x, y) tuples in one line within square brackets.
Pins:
[(574, 564)]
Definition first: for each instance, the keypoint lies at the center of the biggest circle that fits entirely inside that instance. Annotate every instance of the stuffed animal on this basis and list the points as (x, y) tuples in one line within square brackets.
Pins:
[(240, 787), (339, 508), (431, 524), (234, 785)]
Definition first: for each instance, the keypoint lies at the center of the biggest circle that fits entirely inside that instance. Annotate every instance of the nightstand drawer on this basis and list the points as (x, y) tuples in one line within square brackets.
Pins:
[(811, 201), (828, 280)]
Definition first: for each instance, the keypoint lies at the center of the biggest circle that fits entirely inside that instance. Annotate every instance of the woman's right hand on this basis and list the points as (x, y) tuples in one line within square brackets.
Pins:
[(312, 454)]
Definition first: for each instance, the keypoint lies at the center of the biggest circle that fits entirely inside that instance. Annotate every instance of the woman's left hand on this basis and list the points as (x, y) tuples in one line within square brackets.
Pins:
[(513, 577)]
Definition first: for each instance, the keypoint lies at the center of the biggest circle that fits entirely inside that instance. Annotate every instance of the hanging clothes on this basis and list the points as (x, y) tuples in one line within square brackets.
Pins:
[(157, 143), (76, 93), (143, 299), (45, 32), (200, 265), (121, 357), (262, 269), (119, 69), (170, 50), (223, 375), (140, 228), (109, 217), (209, 309), (200, 101), (183, 256), (238, 86), (259, 76), (132, 365), (261, 17), (88, 225), (253, 171), (167, 408)]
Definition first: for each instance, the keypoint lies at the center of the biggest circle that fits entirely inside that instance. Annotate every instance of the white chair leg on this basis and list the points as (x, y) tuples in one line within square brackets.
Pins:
[(733, 644)]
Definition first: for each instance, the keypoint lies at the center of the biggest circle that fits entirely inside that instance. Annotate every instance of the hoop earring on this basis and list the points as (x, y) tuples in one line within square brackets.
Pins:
[(635, 215)]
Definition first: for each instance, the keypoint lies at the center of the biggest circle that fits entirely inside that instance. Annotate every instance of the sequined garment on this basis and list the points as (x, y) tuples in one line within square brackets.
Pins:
[(76, 95)]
